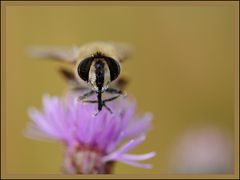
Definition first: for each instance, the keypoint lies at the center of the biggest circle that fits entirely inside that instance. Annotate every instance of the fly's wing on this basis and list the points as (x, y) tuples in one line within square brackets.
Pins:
[(118, 51), (68, 55)]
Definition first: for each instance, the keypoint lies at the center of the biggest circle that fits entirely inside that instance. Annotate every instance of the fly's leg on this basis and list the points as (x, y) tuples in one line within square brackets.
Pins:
[(104, 103), (107, 108), (105, 100), (88, 94), (112, 98), (95, 114), (115, 91)]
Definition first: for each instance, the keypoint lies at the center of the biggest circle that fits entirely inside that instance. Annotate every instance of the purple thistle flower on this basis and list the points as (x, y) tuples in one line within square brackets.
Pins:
[(92, 142)]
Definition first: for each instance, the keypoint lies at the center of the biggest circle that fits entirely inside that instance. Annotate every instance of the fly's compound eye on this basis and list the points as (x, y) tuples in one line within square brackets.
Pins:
[(114, 68), (84, 67)]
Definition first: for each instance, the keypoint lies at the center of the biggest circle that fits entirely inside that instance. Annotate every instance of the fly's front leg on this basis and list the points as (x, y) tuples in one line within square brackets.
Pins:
[(105, 100), (111, 99), (90, 101), (116, 91), (77, 89), (88, 94), (103, 103), (107, 108)]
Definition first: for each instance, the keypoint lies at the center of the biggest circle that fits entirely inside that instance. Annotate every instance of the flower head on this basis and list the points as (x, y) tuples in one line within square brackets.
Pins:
[(92, 142)]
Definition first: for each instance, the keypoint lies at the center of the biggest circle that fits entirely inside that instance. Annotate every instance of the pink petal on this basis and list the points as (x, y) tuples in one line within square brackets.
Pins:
[(138, 157), (136, 164), (41, 122), (138, 126), (125, 148)]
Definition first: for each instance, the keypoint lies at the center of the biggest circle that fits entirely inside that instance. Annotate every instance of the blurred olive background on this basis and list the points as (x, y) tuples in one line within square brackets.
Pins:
[(182, 71)]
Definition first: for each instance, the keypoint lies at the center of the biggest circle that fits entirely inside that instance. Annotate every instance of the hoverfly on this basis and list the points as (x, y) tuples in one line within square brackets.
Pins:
[(96, 67)]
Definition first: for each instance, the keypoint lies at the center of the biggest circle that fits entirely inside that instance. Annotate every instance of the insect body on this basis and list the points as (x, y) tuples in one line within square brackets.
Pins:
[(96, 65), (98, 71)]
